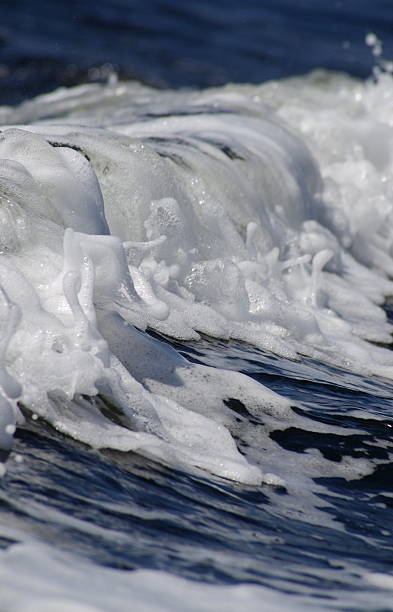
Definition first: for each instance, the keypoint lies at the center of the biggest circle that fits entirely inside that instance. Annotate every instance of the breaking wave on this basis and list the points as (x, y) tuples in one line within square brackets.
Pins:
[(256, 213)]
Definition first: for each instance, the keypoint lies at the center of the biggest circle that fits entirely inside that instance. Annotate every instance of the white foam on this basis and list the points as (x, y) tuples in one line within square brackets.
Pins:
[(35, 578), (261, 214)]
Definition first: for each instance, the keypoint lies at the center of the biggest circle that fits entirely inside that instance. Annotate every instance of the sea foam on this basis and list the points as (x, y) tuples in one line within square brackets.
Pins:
[(261, 214), (34, 578)]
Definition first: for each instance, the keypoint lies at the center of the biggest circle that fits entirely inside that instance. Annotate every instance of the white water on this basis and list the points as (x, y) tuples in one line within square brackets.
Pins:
[(256, 213), (34, 578)]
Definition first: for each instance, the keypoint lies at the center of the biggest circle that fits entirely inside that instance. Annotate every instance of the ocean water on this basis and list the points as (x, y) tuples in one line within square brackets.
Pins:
[(196, 373)]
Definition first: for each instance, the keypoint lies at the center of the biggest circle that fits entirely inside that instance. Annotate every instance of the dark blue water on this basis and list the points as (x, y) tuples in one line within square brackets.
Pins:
[(144, 514), (209, 529), (44, 44)]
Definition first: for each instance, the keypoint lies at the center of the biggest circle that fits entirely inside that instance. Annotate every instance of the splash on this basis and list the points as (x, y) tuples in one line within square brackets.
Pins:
[(261, 214)]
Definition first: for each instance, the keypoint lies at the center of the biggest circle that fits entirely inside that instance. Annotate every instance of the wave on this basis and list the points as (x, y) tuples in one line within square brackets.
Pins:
[(255, 213)]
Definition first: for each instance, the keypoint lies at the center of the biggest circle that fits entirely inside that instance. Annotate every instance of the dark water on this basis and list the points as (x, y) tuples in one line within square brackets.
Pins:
[(209, 529), (144, 514), (172, 43)]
